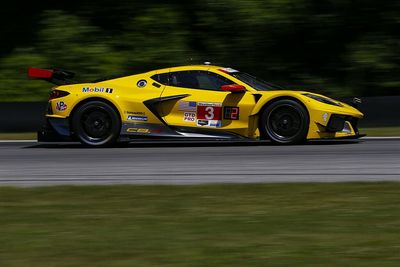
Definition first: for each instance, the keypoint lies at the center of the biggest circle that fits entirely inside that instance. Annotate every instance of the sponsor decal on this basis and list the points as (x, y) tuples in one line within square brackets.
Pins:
[(97, 90), (209, 123), (187, 106), (325, 116), (228, 70), (135, 113), (141, 83), (231, 113), (206, 104), (137, 118), (189, 116), (138, 130), (202, 122), (214, 123), (61, 106), (209, 111)]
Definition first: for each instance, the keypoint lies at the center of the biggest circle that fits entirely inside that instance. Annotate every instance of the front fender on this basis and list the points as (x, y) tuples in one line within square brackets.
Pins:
[(319, 113), (269, 96)]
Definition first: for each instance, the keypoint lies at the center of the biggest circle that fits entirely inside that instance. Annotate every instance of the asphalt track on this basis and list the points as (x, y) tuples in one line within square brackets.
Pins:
[(34, 164)]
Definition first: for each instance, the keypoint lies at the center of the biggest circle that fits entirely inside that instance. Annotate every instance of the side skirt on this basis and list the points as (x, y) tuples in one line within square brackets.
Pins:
[(160, 131)]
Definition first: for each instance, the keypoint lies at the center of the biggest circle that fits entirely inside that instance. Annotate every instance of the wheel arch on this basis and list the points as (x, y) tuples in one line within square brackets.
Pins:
[(90, 99), (276, 99)]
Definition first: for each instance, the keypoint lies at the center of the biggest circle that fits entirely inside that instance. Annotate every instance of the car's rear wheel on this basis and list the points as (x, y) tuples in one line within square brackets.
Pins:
[(96, 123), (285, 122)]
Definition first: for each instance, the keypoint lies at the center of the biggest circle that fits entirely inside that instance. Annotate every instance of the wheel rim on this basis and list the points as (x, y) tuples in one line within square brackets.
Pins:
[(284, 122), (96, 124)]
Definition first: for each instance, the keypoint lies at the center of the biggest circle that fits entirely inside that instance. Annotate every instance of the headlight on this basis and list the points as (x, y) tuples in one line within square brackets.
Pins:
[(323, 100)]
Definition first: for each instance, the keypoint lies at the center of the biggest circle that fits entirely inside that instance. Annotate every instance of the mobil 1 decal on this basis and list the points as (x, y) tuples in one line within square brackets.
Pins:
[(209, 114)]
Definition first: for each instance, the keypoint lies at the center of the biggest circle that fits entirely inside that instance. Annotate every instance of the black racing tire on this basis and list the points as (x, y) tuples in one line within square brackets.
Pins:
[(284, 122), (96, 123)]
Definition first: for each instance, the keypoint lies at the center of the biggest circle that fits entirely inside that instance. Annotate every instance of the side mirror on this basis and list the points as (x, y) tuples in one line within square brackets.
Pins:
[(234, 88)]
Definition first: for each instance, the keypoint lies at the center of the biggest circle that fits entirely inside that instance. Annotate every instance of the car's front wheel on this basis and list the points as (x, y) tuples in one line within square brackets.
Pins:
[(284, 122), (96, 123)]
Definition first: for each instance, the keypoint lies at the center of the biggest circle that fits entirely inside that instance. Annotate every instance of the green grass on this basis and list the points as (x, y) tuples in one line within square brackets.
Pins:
[(18, 136), (210, 225), (381, 131)]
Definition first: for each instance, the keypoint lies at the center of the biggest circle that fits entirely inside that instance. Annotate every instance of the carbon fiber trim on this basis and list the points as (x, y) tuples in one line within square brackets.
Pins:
[(55, 130), (152, 104)]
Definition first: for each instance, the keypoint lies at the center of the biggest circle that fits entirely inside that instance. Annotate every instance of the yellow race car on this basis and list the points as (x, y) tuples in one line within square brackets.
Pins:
[(196, 101)]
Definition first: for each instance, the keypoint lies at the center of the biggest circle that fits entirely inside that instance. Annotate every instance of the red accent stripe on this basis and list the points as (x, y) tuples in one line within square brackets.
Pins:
[(40, 73)]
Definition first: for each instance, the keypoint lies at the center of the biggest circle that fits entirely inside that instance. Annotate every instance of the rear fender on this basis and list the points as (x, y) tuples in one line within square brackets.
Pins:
[(109, 101)]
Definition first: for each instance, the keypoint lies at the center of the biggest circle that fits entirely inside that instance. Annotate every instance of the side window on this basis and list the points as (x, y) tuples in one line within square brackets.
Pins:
[(161, 78), (184, 79), (211, 81), (198, 79)]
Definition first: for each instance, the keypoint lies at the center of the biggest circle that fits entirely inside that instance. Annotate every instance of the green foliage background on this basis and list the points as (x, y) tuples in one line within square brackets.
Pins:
[(341, 48)]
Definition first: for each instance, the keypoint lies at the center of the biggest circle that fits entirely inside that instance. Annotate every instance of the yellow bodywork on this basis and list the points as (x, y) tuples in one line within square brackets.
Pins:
[(128, 94)]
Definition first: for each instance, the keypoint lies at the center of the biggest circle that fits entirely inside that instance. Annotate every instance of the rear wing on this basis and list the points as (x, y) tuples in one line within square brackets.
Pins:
[(55, 76)]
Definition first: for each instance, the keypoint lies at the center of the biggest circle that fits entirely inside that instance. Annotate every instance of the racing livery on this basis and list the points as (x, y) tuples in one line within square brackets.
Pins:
[(196, 101)]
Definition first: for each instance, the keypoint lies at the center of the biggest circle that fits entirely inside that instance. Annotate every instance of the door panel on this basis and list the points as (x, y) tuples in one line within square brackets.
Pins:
[(207, 109)]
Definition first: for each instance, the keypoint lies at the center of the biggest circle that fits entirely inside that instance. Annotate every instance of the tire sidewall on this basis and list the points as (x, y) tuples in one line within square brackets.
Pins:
[(79, 131), (267, 133)]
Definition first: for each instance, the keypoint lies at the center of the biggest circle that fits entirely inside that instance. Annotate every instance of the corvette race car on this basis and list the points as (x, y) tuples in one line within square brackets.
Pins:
[(196, 101)]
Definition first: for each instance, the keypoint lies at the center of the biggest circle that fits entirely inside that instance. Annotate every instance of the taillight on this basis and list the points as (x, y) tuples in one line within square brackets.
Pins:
[(57, 94)]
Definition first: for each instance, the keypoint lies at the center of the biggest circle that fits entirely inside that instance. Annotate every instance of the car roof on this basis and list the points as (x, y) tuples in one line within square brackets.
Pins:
[(190, 67)]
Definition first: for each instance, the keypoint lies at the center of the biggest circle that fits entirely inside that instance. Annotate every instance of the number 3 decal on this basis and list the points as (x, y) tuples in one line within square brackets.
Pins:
[(210, 113)]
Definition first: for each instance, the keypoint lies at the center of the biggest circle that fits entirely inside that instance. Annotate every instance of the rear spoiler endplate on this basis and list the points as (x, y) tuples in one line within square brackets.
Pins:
[(55, 76)]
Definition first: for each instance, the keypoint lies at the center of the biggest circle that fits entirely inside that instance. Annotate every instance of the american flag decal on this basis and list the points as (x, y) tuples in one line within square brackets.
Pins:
[(187, 106)]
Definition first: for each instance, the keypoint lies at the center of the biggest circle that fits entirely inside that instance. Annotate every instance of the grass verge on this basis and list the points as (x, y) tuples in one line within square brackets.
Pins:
[(350, 224), (381, 131), (18, 136)]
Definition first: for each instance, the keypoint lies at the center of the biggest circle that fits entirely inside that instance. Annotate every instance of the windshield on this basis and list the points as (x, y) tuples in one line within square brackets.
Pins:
[(254, 82)]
